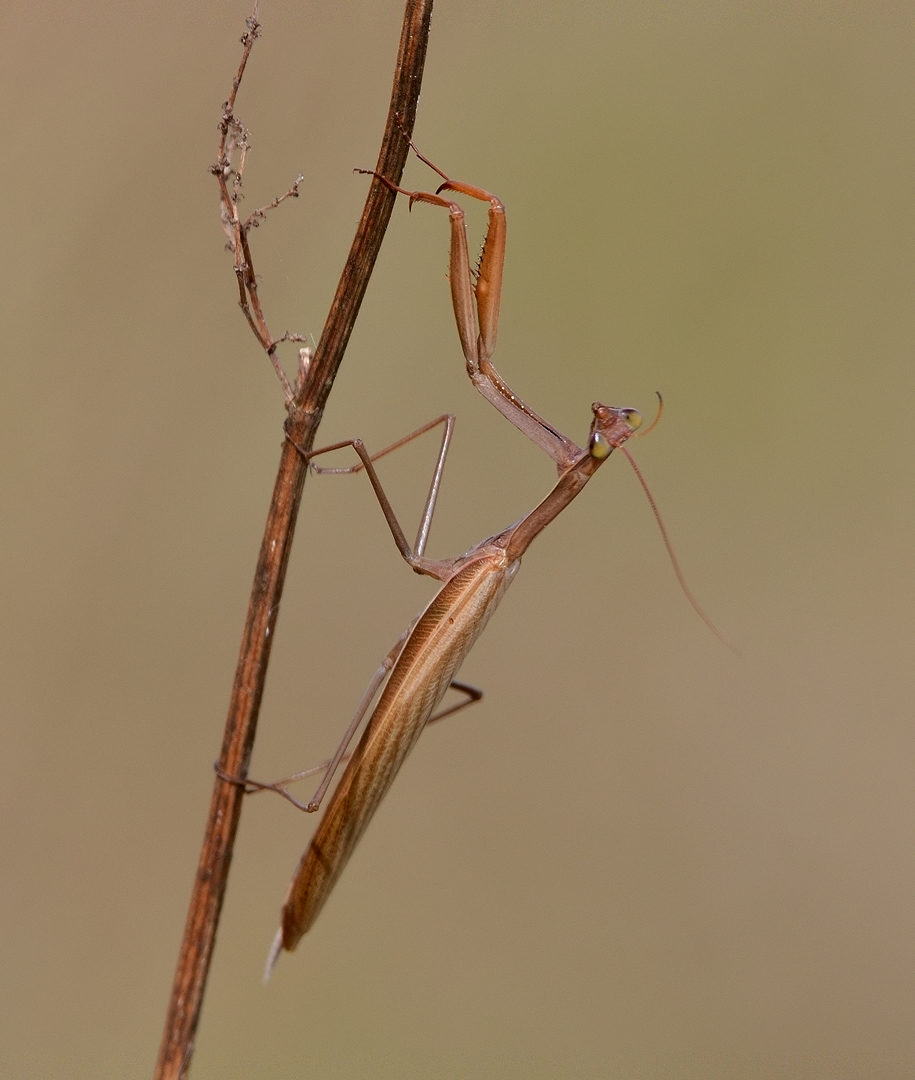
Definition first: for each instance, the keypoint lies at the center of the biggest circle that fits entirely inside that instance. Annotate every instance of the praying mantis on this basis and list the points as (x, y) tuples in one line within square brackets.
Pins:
[(424, 663)]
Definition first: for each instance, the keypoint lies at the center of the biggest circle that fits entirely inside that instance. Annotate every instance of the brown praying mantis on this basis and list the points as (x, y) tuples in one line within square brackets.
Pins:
[(423, 664)]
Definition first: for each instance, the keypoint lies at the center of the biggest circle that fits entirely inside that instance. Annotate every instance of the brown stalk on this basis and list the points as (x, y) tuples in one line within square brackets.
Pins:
[(305, 405)]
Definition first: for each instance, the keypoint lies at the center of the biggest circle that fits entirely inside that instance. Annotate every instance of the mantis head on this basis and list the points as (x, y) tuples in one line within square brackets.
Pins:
[(610, 428)]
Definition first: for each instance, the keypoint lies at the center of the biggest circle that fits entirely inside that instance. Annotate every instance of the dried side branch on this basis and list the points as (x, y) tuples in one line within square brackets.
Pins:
[(228, 169), (254, 219)]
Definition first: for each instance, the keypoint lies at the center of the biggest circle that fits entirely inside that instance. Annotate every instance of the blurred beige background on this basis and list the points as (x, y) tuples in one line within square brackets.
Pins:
[(640, 857)]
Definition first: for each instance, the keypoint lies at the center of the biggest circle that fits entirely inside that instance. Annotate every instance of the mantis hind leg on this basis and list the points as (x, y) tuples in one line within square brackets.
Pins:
[(474, 694)]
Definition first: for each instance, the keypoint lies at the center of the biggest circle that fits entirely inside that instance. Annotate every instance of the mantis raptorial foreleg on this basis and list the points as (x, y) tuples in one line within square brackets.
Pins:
[(476, 299)]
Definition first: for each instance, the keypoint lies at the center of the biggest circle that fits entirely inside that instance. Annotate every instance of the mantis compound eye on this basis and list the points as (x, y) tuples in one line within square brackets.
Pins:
[(632, 417), (598, 446)]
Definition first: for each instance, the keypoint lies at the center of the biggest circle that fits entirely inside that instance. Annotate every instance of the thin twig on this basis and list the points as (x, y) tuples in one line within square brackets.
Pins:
[(229, 168), (253, 220), (304, 414)]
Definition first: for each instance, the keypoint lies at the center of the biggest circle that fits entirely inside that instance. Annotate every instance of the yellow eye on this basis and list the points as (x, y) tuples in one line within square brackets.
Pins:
[(598, 447), (633, 418)]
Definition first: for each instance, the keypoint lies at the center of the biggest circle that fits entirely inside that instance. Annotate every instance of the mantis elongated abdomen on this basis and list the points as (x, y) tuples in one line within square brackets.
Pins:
[(443, 635)]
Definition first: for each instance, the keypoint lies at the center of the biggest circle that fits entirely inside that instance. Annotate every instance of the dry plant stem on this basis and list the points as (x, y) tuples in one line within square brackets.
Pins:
[(305, 412)]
